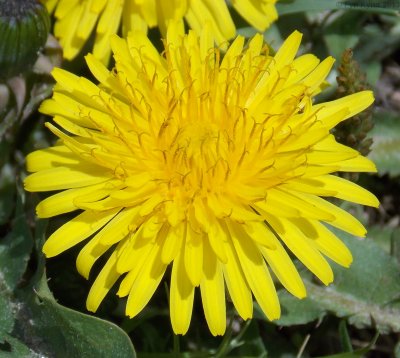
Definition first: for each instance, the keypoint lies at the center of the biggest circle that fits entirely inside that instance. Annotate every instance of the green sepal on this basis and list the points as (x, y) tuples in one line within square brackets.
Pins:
[(24, 27)]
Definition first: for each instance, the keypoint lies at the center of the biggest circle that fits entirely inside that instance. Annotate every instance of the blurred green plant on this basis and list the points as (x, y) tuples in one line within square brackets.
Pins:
[(386, 142)]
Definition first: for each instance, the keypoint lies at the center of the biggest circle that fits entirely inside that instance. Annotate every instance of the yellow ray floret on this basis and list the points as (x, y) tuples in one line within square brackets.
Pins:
[(76, 20), (216, 167)]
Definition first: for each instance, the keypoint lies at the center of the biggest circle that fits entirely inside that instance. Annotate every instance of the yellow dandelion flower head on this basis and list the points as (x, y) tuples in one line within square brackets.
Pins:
[(215, 166), (77, 19)]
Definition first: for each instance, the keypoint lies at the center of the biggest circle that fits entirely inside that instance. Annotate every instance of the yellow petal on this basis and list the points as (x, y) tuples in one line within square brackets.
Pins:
[(292, 200), (306, 251), (347, 190), (181, 297), (103, 283), (193, 256), (139, 254), (107, 26), (282, 266), (169, 11), (213, 292), (232, 54), (288, 50), (127, 257), (259, 232), (237, 285), (355, 103), (213, 13), (119, 227), (146, 282), (62, 202), (318, 75), (173, 243), (255, 272), (76, 230), (325, 241), (253, 13), (61, 178), (302, 66), (50, 158), (343, 220), (89, 255), (309, 186), (358, 164), (217, 239), (320, 157)]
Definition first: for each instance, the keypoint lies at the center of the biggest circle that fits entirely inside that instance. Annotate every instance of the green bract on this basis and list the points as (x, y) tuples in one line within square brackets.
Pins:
[(24, 26)]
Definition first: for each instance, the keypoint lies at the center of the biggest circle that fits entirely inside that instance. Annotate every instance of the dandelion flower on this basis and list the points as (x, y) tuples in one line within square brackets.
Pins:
[(217, 167), (76, 19)]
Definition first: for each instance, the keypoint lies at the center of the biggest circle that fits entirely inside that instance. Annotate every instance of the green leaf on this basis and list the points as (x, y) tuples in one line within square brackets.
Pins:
[(397, 350), (357, 353), (31, 319), (14, 348), (50, 329), (296, 6), (57, 331), (388, 238), (365, 291), (373, 276), (385, 148), (6, 316), (380, 5), (293, 310), (343, 355), (253, 345), (373, 69), (395, 243), (343, 32), (365, 294), (345, 339), (5, 150), (376, 43), (15, 250), (7, 195)]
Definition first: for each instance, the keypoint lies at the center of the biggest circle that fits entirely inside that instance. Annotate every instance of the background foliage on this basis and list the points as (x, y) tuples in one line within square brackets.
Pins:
[(42, 304)]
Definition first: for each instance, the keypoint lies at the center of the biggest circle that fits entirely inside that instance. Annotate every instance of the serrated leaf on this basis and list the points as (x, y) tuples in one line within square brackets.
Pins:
[(378, 5), (385, 148), (296, 6), (365, 291)]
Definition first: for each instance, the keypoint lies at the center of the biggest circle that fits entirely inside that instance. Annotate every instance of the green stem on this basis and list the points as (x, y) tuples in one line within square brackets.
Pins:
[(177, 346), (225, 341), (227, 345)]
